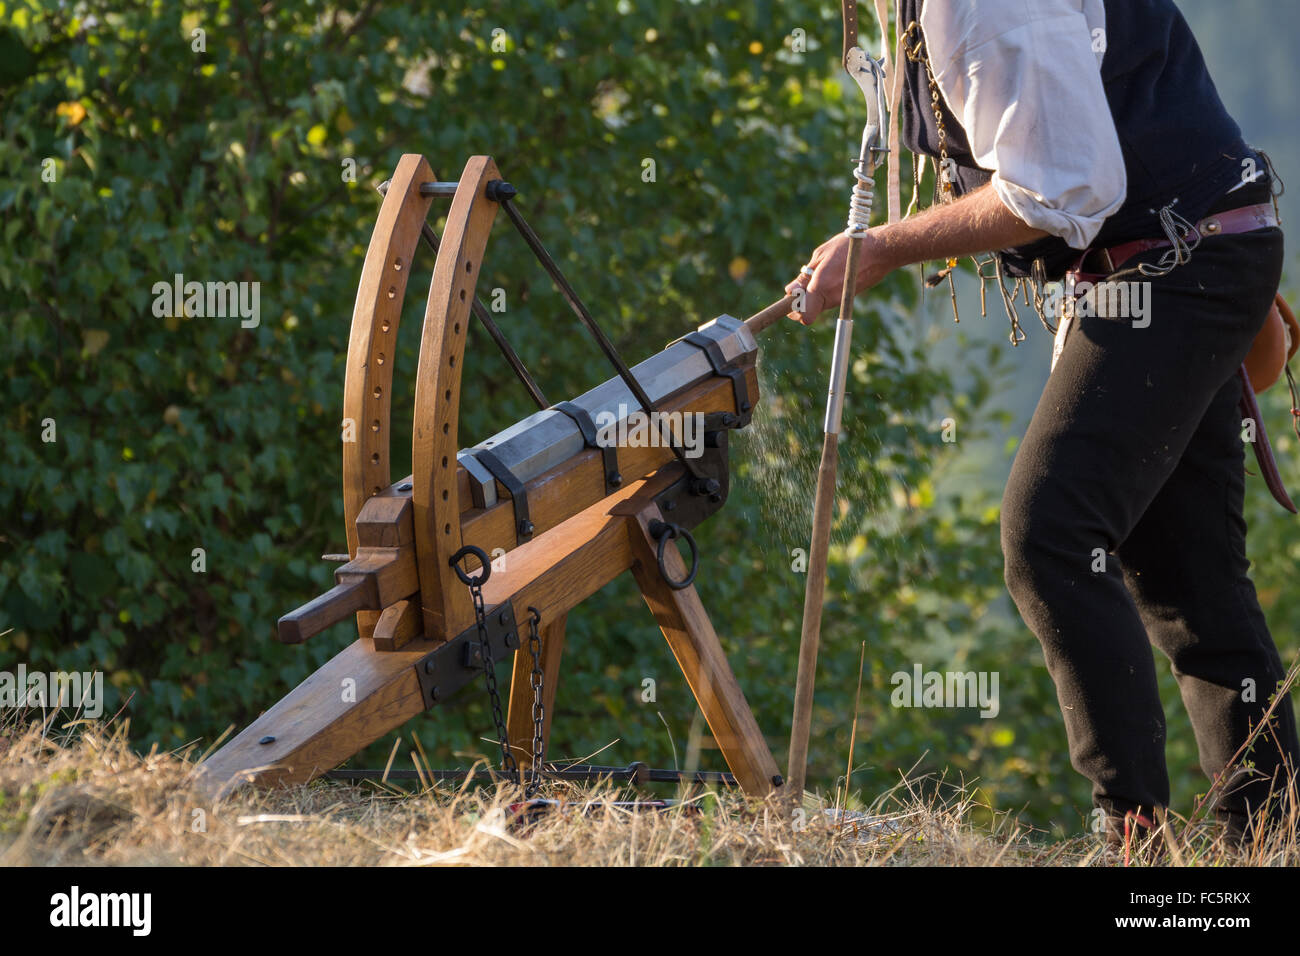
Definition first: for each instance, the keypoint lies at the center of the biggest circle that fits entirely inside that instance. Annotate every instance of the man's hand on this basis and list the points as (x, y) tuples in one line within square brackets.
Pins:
[(824, 288), (972, 224)]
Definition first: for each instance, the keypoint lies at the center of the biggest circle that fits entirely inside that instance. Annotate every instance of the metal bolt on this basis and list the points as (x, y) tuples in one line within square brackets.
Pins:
[(525, 527), (428, 667), (500, 191), (615, 479), (503, 618), (433, 692), (404, 486), (268, 739), (706, 486), (669, 505)]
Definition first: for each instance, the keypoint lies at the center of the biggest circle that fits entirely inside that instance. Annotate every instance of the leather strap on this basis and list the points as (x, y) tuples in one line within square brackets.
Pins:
[(1263, 450), (1227, 223), (849, 12), (892, 56)]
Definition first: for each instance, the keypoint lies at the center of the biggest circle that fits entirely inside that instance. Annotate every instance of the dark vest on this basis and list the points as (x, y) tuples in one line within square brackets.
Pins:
[(1177, 138)]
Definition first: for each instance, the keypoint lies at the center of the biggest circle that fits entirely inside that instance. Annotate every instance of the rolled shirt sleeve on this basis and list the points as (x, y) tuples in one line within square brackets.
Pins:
[(1025, 80)]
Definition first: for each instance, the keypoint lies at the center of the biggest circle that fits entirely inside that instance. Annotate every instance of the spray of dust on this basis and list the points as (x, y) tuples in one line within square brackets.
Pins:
[(782, 450)]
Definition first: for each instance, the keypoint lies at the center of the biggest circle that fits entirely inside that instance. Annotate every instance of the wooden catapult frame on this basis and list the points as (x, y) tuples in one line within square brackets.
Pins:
[(409, 605)]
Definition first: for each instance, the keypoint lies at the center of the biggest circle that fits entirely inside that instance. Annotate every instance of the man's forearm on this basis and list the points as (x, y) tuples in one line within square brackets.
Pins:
[(976, 223), (973, 224)]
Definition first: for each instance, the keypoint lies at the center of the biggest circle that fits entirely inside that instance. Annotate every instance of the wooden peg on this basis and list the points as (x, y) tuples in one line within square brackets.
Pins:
[(397, 625)]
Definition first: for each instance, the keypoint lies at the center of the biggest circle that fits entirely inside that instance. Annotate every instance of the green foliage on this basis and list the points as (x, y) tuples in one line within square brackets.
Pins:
[(175, 434)]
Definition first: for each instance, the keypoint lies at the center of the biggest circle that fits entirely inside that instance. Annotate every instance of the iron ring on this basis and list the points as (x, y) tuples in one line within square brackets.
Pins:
[(465, 579)]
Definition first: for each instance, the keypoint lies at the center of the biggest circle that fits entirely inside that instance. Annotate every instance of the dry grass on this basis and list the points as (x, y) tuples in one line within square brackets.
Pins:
[(85, 798)]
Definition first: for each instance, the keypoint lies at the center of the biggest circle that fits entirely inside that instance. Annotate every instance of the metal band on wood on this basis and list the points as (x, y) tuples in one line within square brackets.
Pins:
[(721, 366), (518, 493), (582, 418)]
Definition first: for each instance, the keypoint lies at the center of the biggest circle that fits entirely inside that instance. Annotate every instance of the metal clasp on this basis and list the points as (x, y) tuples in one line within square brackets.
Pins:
[(869, 74)]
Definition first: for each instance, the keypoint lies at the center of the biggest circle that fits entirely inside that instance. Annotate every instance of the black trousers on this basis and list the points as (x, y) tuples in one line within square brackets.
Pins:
[(1122, 526)]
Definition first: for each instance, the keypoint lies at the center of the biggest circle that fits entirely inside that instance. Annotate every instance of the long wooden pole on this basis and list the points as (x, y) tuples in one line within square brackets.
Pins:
[(867, 74), (819, 548)]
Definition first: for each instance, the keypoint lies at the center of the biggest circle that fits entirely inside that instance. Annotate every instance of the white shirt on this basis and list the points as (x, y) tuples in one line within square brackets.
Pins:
[(1024, 79)]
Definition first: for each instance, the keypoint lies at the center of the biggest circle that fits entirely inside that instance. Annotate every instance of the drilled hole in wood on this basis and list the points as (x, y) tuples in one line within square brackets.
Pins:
[(379, 390), (376, 491), (374, 459), (456, 328), (444, 461), (469, 266), (385, 326), (446, 427), (447, 395), (379, 359), (446, 529), (445, 493), (462, 295), (374, 426), (392, 292), (451, 360), (397, 264)]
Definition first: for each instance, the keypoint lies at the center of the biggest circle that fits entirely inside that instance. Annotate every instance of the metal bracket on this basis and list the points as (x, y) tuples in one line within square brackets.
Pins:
[(444, 671), (609, 452), (720, 365), (869, 74), (518, 493), (695, 496)]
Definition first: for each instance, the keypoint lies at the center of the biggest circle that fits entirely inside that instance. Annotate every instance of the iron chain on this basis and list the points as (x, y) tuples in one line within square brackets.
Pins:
[(536, 680), (508, 763)]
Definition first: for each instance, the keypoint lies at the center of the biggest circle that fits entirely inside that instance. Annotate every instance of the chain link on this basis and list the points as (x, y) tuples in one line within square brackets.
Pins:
[(944, 192), (508, 763), (536, 679)]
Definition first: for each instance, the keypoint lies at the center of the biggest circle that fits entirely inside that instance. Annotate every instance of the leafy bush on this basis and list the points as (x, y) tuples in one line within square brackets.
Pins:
[(215, 140)]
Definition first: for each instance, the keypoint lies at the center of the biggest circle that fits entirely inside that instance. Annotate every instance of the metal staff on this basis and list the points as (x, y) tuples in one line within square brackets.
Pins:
[(869, 75)]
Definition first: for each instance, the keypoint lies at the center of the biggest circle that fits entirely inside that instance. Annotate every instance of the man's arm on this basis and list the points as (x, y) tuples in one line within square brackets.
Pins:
[(1025, 81), (973, 224)]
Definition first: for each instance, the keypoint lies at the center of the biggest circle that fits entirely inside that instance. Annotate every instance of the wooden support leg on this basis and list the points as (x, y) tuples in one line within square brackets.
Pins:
[(519, 720), (695, 644), (350, 702)]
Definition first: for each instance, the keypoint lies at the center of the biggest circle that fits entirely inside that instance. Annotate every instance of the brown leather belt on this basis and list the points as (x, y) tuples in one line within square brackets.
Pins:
[(1226, 223)]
